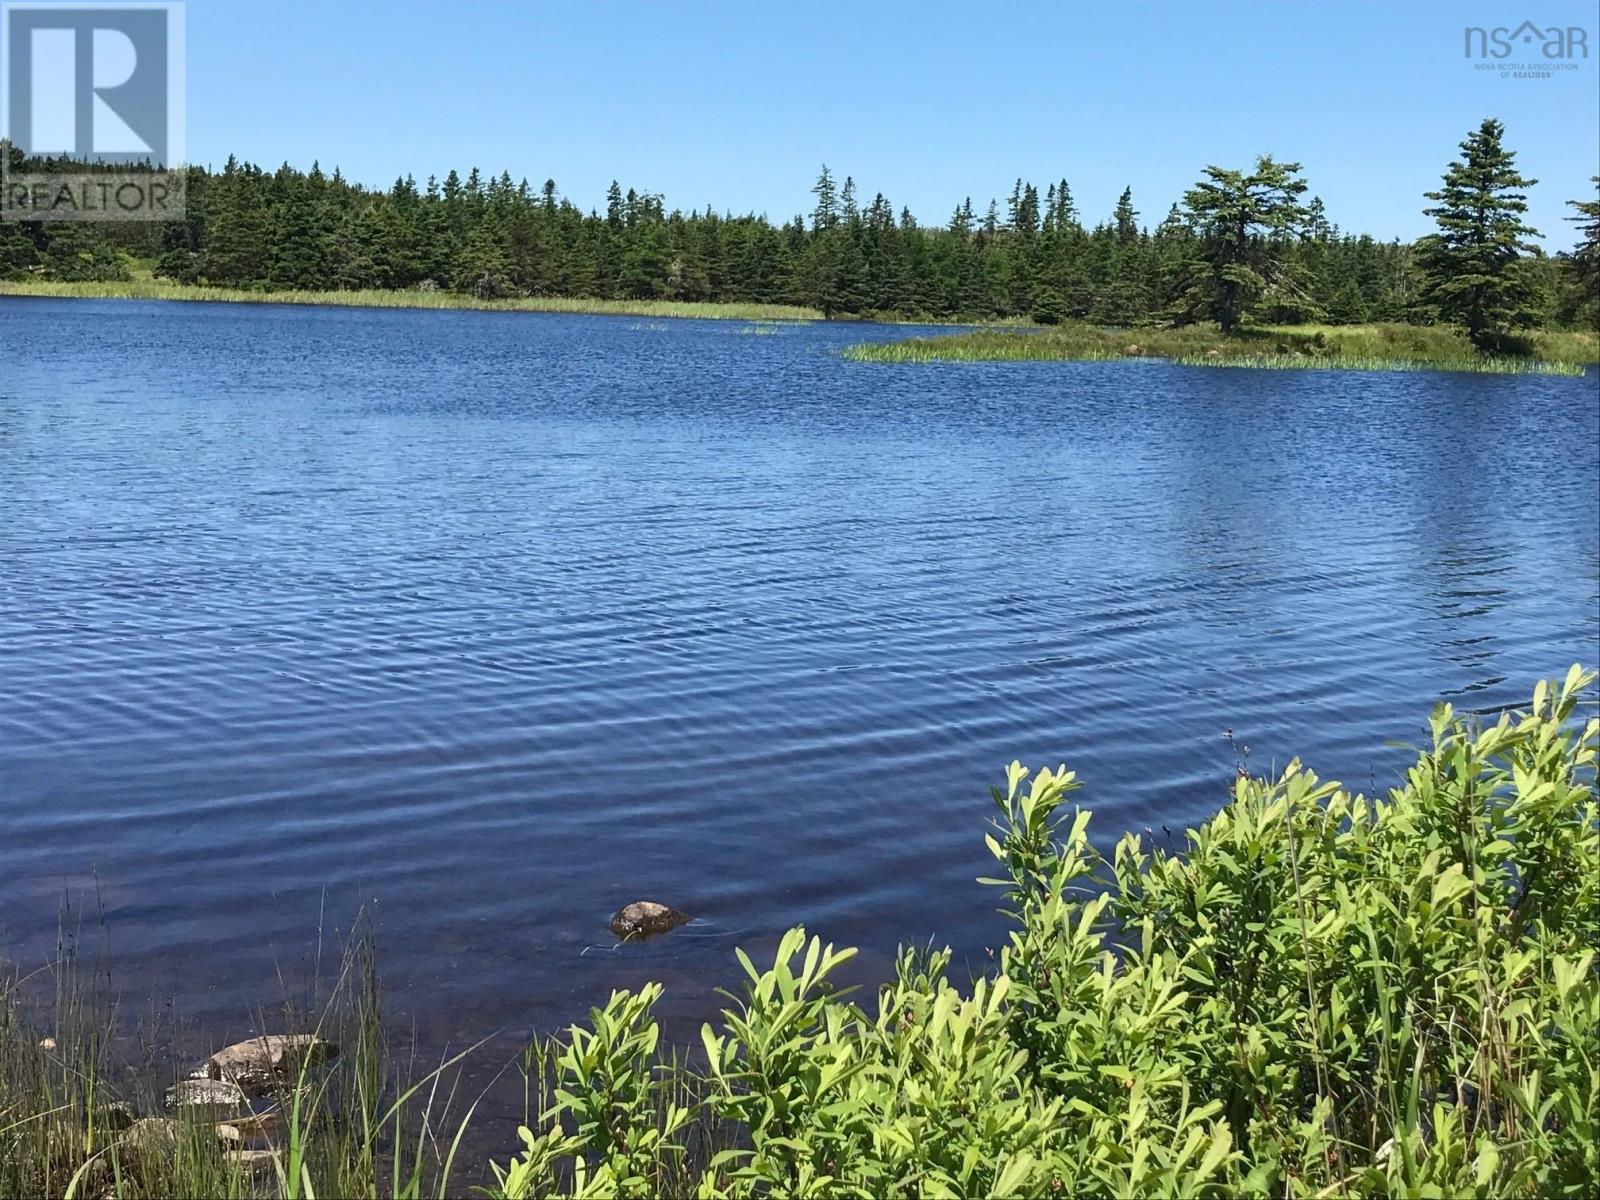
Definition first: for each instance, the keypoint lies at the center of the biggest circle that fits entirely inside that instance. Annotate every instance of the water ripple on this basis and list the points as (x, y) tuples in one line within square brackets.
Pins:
[(506, 621)]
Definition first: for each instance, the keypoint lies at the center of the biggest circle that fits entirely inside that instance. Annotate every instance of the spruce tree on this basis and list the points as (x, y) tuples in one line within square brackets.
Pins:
[(1470, 265), (1237, 214), (1126, 217), (18, 253), (76, 252), (1066, 210), (1583, 264), (237, 234), (826, 213)]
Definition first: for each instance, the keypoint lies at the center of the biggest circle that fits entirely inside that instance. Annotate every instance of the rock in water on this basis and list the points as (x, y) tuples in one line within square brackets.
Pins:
[(161, 1135), (151, 1134), (211, 1096), (256, 1064), (646, 918), (257, 1125), (257, 1163)]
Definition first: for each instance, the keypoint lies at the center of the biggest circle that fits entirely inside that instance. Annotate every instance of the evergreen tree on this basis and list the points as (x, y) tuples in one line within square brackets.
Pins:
[(1316, 224), (75, 252), (826, 214), (18, 251), (238, 227), (1066, 210), (1238, 251), (1233, 211), (1048, 306), (1583, 301), (852, 291), (1126, 217), (298, 253), (1470, 265), (644, 263)]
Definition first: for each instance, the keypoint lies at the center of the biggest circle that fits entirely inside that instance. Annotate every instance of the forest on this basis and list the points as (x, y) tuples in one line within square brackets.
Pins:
[(1242, 245)]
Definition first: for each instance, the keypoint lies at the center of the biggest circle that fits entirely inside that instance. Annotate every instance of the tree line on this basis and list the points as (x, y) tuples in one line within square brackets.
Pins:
[(1242, 245)]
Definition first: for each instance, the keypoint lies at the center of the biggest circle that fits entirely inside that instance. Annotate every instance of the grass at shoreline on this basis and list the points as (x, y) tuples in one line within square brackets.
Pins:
[(1379, 347), (83, 1110), (1382, 347), (145, 289)]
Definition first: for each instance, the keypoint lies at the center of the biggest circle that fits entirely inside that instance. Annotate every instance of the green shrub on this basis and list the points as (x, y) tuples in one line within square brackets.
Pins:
[(1321, 994)]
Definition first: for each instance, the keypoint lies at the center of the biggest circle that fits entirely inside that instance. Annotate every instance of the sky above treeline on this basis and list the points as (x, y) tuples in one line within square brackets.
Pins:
[(737, 105)]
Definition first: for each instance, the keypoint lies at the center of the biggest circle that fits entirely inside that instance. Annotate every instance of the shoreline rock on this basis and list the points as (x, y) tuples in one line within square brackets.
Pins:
[(218, 1097), (255, 1065)]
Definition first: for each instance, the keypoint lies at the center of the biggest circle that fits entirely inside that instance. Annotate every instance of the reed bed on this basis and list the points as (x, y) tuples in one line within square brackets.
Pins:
[(83, 1111), (1358, 347), (1481, 365), (143, 289)]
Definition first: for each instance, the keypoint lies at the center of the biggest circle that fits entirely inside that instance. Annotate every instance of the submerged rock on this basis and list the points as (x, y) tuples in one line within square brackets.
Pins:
[(646, 918), (161, 1135), (252, 1162), (196, 1096), (151, 1134), (256, 1064), (257, 1125)]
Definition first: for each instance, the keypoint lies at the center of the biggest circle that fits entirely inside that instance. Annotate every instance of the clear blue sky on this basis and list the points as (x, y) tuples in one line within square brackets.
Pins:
[(736, 104)]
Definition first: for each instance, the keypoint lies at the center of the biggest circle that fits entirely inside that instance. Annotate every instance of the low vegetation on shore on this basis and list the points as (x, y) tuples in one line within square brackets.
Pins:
[(1318, 994), (1359, 347), (158, 289)]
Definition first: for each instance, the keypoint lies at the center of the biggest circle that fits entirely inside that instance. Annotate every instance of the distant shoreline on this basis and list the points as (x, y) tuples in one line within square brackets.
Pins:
[(411, 298), (1370, 347)]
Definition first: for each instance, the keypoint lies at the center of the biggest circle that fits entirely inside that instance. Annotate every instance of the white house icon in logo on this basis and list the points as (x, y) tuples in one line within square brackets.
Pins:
[(1527, 31)]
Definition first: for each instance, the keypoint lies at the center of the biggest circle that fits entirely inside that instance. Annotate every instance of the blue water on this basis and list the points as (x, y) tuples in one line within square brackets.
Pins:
[(494, 622)]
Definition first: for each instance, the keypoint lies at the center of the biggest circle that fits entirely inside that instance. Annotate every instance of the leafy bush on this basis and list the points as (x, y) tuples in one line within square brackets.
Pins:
[(1322, 994)]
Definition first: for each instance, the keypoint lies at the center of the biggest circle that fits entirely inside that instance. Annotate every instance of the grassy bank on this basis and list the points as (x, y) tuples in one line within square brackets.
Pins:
[(1358, 347), (151, 289), (84, 1110), (1319, 994)]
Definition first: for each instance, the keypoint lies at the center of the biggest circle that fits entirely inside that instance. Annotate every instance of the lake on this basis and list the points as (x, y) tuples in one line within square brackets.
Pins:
[(493, 622)]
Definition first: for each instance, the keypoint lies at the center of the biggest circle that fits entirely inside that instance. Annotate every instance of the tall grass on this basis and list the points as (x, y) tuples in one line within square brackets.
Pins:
[(82, 1111), (1355, 362), (1387, 347), (149, 289)]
